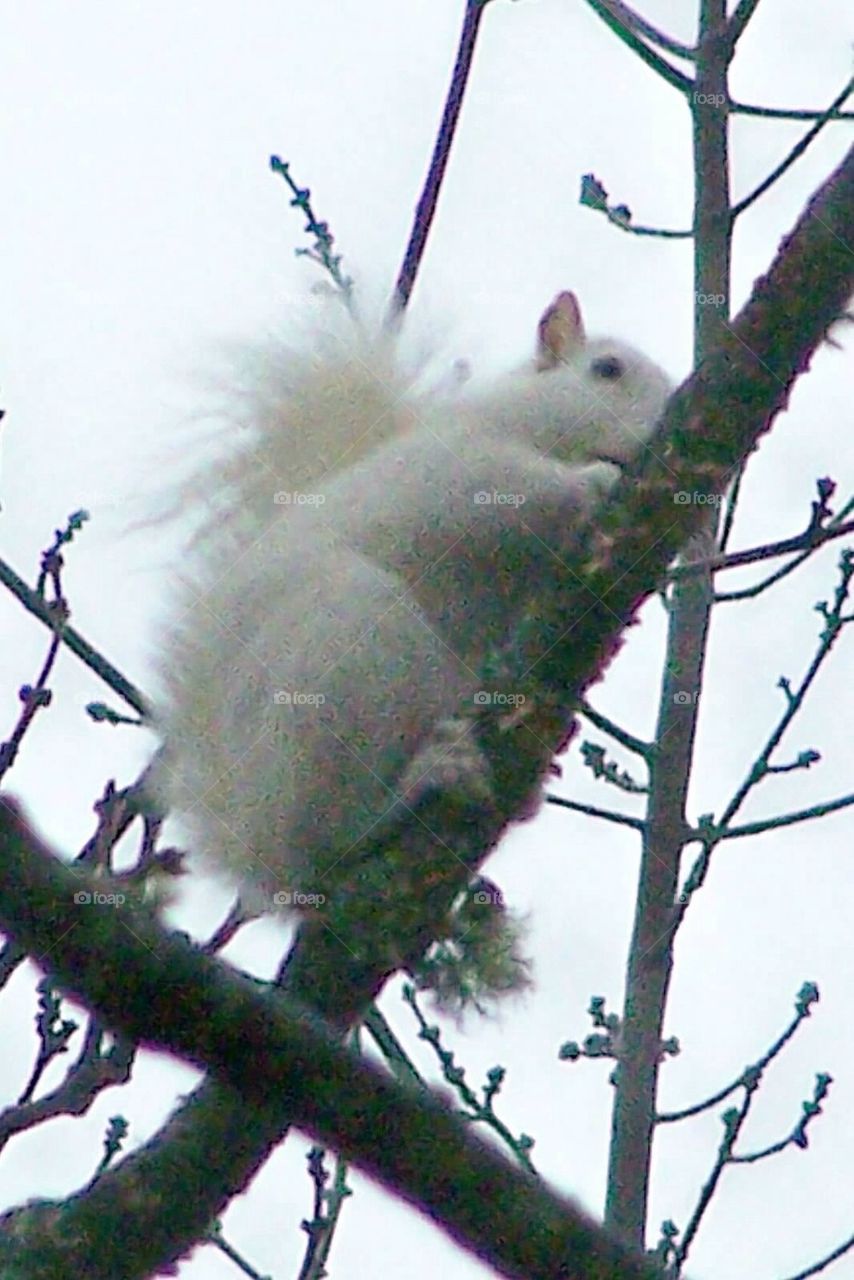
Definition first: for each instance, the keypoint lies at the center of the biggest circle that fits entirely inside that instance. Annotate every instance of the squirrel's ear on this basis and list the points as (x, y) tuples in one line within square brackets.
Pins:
[(560, 331)]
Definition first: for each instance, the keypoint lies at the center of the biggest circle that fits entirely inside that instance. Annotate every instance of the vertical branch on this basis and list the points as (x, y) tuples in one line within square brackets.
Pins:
[(650, 961), (426, 207)]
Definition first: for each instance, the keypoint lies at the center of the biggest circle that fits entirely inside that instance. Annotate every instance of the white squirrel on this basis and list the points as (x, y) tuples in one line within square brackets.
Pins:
[(372, 548)]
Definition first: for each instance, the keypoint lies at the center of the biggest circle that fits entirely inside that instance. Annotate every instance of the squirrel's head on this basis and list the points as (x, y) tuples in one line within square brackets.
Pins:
[(591, 399)]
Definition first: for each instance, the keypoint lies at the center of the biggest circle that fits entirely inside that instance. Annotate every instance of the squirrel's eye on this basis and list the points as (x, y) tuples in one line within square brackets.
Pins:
[(609, 367)]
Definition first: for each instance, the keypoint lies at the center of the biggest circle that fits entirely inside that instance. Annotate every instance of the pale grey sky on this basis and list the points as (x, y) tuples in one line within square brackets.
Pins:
[(141, 224)]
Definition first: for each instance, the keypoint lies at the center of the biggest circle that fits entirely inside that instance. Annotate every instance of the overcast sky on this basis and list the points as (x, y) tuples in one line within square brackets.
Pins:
[(140, 225)]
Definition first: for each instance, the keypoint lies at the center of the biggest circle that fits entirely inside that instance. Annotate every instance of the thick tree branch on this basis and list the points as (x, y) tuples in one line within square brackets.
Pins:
[(275, 1063)]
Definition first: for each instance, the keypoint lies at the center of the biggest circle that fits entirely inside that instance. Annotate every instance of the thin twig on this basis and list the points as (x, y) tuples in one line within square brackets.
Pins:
[(426, 207), (823, 1263), (94, 660), (785, 819), (391, 1048), (617, 732), (796, 152), (591, 811), (785, 113), (634, 22), (714, 833), (735, 1118), (806, 541), (658, 64), (732, 507), (474, 1110)]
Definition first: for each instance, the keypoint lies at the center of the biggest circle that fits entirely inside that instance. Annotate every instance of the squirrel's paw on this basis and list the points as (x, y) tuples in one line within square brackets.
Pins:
[(451, 764)]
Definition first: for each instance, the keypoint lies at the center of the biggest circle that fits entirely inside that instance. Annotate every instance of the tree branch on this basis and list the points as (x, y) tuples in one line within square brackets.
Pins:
[(633, 22), (650, 959), (94, 660), (785, 819), (275, 1062), (426, 207), (607, 11), (621, 735), (592, 811), (796, 152), (742, 14)]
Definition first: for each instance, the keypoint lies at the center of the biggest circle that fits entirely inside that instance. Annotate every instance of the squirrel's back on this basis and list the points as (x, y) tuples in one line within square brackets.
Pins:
[(369, 547)]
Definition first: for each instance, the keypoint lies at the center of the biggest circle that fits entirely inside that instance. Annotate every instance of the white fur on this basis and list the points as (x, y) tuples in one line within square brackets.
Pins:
[(322, 639)]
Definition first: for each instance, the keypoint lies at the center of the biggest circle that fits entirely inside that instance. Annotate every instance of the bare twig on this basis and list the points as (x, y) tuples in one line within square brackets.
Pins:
[(735, 1118), (475, 1110), (713, 833), (94, 660), (617, 732), (426, 207), (823, 1263), (592, 811), (321, 250), (633, 22), (93, 1072), (630, 38), (785, 819), (785, 113), (796, 152), (806, 542), (36, 696)]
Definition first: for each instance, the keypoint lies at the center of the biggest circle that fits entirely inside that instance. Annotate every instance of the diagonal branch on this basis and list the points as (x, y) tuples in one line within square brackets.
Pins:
[(613, 16), (32, 601), (274, 1061), (632, 21), (796, 152), (426, 208), (742, 14)]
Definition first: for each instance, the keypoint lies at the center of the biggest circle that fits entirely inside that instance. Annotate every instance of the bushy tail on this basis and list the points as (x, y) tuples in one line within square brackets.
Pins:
[(291, 416)]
